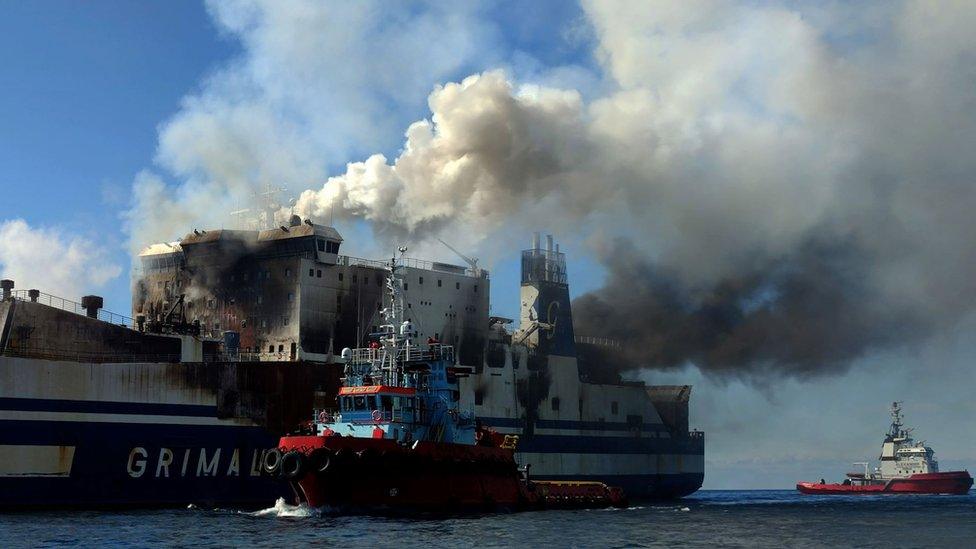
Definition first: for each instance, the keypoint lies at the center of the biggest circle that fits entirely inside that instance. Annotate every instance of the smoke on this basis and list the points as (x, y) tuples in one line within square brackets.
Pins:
[(808, 312), (771, 188), (53, 261), (316, 83)]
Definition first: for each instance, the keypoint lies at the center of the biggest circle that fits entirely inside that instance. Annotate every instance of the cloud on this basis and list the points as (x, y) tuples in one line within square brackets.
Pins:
[(53, 260), (316, 82)]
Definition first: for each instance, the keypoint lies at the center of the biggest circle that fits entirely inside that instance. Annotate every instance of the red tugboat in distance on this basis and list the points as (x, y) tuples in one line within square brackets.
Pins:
[(907, 467), (400, 440)]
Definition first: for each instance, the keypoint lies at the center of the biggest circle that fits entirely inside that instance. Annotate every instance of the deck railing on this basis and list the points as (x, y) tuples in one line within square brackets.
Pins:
[(72, 307)]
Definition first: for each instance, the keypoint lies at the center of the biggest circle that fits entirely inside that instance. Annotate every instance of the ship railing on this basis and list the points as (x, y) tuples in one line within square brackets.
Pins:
[(433, 352), (369, 355), (72, 307), (415, 264)]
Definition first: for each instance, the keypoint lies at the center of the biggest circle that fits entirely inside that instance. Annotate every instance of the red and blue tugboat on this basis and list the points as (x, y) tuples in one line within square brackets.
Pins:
[(907, 467), (401, 440)]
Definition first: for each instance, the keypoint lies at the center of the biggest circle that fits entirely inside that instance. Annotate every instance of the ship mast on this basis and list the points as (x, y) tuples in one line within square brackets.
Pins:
[(896, 431)]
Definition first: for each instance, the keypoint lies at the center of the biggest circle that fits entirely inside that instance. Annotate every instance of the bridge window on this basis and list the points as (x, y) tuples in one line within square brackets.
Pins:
[(555, 404), (318, 273), (439, 283), (421, 280), (311, 272), (386, 402), (359, 403), (614, 408), (321, 244), (270, 348)]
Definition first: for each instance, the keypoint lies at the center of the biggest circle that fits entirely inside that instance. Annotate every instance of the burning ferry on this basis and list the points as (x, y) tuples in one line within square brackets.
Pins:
[(236, 334)]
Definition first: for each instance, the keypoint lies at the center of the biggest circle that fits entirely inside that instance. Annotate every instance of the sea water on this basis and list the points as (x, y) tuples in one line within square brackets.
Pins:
[(707, 519)]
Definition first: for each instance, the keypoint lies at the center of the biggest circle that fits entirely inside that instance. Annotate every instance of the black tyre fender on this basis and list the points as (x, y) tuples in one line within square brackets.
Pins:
[(271, 461), (293, 465), (322, 460)]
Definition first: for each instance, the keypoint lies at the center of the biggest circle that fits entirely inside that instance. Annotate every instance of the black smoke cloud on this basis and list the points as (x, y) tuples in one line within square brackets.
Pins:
[(805, 313)]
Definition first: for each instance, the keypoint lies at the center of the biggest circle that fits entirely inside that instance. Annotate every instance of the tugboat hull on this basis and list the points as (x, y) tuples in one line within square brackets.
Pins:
[(347, 472), (953, 483), (358, 474)]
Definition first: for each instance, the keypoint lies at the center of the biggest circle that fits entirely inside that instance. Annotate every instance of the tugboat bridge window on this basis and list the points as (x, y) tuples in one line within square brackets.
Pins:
[(321, 244)]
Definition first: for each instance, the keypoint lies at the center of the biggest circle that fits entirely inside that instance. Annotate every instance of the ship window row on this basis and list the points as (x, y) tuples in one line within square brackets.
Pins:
[(328, 246), (440, 284), (385, 403)]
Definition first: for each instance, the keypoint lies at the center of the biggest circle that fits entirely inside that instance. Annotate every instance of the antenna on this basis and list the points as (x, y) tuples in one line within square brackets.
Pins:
[(472, 261)]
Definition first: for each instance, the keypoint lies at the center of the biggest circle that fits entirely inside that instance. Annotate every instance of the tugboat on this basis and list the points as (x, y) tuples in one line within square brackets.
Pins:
[(907, 467), (400, 440)]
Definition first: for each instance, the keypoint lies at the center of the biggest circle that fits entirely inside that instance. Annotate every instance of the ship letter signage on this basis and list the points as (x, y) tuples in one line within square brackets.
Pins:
[(137, 462)]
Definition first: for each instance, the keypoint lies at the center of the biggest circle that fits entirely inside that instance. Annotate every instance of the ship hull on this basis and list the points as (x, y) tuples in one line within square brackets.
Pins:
[(951, 483), (379, 474), (82, 435), (95, 435)]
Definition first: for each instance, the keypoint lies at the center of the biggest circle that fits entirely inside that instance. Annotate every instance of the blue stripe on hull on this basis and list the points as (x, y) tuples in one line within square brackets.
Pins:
[(100, 468), (105, 407)]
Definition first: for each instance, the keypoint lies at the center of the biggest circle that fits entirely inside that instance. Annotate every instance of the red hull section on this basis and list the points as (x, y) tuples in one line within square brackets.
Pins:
[(955, 483), (377, 474)]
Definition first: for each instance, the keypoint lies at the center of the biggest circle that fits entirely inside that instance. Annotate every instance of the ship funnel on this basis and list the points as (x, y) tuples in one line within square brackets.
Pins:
[(7, 285), (33, 295), (91, 304)]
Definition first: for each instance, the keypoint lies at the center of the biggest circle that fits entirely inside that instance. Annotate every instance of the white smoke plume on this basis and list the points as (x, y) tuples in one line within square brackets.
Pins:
[(733, 145), (317, 82), (52, 260)]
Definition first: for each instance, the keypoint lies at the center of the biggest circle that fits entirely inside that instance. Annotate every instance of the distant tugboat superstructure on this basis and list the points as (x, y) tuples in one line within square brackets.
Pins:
[(907, 467)]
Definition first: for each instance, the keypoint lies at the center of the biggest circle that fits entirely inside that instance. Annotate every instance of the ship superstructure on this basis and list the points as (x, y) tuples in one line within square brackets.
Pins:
[(289, 294), (625, 434)]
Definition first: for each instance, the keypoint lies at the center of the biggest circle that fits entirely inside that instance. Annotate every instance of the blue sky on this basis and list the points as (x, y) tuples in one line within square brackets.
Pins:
[(84, 87), (713, 137)]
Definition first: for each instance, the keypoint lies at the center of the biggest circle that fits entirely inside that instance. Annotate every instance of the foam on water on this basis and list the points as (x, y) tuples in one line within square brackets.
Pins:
[(281, 509)]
